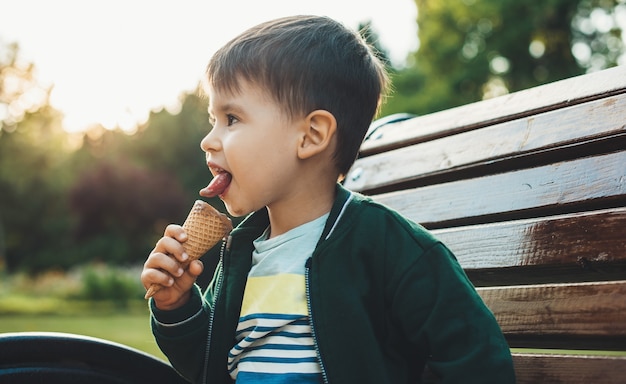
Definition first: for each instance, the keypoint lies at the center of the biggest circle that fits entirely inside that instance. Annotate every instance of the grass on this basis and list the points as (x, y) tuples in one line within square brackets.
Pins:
[(98, 301)]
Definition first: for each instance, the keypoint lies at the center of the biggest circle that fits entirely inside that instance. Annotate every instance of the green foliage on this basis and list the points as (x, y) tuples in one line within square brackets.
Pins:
[(86, 289), (119, 205), (597, 33), (112, 284), (406, 95), (171, 142), (34, 177), (20, 92), (475, 49)]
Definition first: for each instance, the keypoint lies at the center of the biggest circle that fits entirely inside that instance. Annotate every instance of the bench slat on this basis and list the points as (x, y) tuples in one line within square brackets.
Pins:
[(595, 312), (568, 369), (587, 122), (528, 102), (555, 185), (574, 247)]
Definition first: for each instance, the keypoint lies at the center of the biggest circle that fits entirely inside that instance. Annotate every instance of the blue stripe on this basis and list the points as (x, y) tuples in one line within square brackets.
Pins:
[(293, 334), (285, 347), (283, 378)]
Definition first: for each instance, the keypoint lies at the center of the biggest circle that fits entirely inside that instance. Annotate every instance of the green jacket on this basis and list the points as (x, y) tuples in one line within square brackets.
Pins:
[(385, 298)]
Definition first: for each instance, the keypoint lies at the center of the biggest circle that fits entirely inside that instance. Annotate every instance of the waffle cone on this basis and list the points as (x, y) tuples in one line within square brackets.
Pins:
[(205, 226)]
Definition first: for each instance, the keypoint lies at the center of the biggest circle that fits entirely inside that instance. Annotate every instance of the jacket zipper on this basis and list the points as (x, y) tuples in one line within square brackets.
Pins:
[(308, 303), (218, 286)]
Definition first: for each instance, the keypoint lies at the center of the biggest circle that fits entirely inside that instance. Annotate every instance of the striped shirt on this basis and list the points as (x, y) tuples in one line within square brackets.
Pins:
[(274, 339)]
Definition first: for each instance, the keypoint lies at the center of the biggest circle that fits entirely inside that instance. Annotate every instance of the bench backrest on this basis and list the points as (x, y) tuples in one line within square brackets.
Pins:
[(529, 191)]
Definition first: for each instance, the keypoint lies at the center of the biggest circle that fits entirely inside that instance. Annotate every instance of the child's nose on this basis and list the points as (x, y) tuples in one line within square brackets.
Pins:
[(210, 142)]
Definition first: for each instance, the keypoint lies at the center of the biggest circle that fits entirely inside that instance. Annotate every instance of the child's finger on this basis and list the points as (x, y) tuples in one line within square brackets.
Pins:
[(151, 276), (176, 232), (171, 246), (165, 263), (195, 268)]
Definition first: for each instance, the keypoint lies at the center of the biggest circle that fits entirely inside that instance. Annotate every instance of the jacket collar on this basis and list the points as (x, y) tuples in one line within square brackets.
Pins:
[(342, 198), (254, 225)]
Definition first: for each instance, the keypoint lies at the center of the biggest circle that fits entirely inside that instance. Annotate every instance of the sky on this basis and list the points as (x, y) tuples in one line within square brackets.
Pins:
[(111, 62)]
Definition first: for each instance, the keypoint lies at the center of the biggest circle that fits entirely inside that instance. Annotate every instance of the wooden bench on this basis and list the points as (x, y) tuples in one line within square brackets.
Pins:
[(529, 191)]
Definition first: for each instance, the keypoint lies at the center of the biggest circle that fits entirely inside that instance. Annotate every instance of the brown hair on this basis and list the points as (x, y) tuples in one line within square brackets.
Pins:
[(308, 63)]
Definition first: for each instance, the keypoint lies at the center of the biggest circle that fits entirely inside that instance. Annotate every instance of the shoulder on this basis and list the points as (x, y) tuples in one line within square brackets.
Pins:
[(367, 214)]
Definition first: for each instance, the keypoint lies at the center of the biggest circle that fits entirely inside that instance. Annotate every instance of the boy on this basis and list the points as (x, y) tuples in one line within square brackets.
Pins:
[(317, 284)]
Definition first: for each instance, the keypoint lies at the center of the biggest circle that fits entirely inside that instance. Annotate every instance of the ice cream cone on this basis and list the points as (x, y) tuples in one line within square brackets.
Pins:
[(205, 226)]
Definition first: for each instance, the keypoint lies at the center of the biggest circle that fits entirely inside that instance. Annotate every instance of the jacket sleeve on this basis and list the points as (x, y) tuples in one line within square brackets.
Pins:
[(439, 310), (182, 335)]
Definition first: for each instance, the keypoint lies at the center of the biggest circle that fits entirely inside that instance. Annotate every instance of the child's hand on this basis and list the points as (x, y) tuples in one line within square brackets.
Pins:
[(166, 266)]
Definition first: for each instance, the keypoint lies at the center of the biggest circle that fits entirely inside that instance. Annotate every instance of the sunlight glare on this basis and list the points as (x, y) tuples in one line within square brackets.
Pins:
[(112, 62)]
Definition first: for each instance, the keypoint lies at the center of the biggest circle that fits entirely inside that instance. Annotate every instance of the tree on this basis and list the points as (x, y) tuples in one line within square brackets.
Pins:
[(171, 142), (20, 91), (33, 160), (122, 210), (597, 34), (475, 49)]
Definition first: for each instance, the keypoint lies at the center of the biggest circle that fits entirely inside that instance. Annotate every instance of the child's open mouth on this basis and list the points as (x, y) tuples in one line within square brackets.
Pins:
[(218, 185)]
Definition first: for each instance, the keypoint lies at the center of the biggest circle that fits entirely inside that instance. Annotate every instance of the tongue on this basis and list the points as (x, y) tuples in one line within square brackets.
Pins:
[(217, 186)]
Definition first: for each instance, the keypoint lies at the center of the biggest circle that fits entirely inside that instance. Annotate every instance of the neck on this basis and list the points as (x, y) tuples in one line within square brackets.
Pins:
[(306, 205)]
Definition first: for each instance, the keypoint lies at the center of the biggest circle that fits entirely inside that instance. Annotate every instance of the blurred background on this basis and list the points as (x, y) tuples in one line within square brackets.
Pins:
[(101, 120)]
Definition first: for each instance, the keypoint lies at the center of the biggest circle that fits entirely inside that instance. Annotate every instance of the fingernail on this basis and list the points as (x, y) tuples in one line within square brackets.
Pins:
[(179, 272), (184, 256), (170, 282)]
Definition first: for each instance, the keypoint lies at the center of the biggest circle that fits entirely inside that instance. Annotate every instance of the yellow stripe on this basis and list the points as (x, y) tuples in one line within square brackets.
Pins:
[(284, 294)]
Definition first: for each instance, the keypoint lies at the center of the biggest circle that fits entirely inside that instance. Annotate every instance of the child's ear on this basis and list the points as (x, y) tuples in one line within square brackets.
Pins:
[(317, 134)]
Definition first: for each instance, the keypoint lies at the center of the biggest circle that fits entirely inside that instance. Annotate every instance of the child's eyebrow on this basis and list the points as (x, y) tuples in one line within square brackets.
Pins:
[(225, 108), (228, 107)]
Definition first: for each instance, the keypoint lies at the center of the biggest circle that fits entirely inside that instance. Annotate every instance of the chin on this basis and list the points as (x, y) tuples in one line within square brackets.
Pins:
[(236, 211)]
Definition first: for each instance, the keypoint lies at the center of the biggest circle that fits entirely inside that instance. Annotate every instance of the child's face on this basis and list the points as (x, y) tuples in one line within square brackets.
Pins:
[(254, 141)]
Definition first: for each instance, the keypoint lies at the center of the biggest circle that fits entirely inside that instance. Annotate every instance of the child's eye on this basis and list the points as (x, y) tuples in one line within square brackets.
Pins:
[(231, 119)]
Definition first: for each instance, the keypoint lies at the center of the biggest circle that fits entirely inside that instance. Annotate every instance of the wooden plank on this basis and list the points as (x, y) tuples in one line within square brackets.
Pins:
[(587, 241), (579, 123), (595, 310), (555, 185), (568, 369), (508, 107)]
